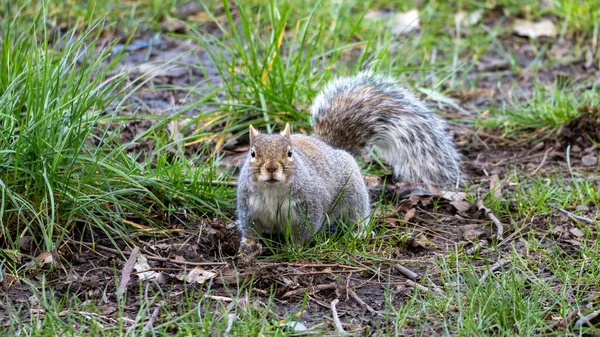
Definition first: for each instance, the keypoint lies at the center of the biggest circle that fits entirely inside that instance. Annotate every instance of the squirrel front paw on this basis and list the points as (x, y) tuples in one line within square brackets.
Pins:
[(249, 249)]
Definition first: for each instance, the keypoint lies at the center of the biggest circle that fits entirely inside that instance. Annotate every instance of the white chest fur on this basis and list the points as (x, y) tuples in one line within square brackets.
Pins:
[(271, 208)]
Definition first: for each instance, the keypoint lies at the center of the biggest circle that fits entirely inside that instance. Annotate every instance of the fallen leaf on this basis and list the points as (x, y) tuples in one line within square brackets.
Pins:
[(589, 160), (126, 272), (404, 23), (372, 181), (44, 258), (296, 326), (533, 30), (457, 199), (143, 269), (410, 214), (468, 19), (577, 232), (197, 275)]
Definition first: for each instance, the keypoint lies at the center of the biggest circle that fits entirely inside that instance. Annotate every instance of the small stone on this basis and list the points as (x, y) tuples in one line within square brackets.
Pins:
[(589, 160)]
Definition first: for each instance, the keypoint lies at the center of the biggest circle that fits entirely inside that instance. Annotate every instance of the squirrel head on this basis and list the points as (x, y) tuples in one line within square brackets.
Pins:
[(271, 157)]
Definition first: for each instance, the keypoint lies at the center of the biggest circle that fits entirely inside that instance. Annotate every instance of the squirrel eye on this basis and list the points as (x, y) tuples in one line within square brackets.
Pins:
[(289, 153), (252, 154)]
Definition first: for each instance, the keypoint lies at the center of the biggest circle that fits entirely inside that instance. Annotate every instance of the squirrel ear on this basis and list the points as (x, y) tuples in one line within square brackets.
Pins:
[(286, 131), (253, 133)]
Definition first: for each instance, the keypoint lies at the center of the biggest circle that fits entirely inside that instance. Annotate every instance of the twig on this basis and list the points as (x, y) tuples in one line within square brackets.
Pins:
[(543, 161), (564, 321), (309, 265), (406, 272), (311, 290), (587, 318), (150, 322), (490, 214), (493, 268), (322, 272), (574, 216), (363, 303), (152, 258), (336, 319), (126, 273)]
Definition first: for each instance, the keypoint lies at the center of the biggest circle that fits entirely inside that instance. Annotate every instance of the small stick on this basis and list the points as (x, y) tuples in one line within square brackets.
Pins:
[(322, 272), (563, 321), (543, 161), (493, 268), (574, 216), (310, 265), (587, 318), (152, 258), (488, 212), (363, 303), (312, 289), (336, 319), (417, 286), (406, 272)]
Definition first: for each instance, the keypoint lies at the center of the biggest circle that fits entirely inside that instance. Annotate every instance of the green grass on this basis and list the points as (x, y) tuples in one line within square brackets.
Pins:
[(62, 168), (65, 173), (546, 109)]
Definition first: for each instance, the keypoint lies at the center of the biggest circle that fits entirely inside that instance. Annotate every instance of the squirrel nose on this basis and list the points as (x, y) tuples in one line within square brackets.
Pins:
[(271, 168)]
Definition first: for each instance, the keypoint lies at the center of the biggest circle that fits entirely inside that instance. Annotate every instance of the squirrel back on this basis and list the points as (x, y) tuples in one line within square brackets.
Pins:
[(365, 110)]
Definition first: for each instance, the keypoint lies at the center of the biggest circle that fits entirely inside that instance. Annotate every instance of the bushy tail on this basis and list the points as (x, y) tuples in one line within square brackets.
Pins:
[(366, 110)]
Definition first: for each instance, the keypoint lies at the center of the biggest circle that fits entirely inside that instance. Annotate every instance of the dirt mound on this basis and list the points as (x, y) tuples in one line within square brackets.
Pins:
[(579, 130)]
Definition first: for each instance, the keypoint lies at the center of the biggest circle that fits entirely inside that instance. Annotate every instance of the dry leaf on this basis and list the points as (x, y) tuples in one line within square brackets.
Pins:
[(403, 23), (577, 232), (409, 214), (143, 269), (126, 273), (197, 275), (535, 29), (372, 181), (457, 199), (462, 18), (44, 258)]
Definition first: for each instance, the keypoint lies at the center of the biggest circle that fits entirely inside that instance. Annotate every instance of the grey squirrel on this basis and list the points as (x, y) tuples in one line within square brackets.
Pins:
[(306, 181)]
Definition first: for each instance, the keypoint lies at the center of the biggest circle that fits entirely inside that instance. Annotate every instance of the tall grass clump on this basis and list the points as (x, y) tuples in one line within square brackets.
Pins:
[(272, 57), (61, 168)]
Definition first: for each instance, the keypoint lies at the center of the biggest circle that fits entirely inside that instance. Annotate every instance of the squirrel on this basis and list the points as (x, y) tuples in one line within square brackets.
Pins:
[(306, 181)]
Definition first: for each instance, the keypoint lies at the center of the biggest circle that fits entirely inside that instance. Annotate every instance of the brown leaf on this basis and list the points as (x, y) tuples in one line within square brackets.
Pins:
[(44, 258), (410, 214), (457, 200), (126, 272), (197, 275), (543, 28), (576, 232)]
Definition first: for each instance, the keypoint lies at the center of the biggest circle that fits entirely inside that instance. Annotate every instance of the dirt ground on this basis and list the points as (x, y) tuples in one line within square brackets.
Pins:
[(487, 157)]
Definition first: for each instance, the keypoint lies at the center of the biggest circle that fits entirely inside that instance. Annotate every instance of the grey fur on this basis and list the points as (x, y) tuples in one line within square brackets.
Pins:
[(322, 182), (374, 110), (319, 191)]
